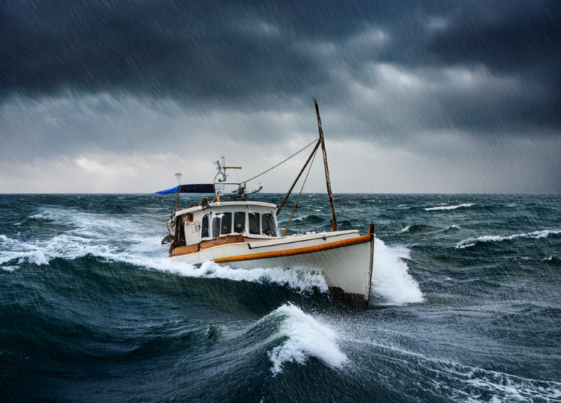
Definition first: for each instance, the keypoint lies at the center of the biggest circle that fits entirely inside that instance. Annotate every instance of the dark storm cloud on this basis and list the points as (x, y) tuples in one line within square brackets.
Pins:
[(77, 75), (193, 49), (249, 53)]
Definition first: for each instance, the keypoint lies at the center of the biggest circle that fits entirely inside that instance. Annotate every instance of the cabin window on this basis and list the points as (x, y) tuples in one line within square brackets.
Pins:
[(254, 227), (215, 227), (226, 227), (268, 225), (239, 223), (205, 230)]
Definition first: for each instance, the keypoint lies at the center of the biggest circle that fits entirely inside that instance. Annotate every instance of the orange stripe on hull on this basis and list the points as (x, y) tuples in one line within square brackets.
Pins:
[(297, 251)]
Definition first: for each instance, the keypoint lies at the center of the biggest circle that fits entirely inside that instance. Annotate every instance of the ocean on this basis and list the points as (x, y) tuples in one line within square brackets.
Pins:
[(465, 306)]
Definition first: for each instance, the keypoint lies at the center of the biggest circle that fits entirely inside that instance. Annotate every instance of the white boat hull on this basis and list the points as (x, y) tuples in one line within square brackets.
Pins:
[(344, 258)]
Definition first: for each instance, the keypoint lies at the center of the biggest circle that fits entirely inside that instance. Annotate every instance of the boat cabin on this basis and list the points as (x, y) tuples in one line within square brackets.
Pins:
[(219, 223)]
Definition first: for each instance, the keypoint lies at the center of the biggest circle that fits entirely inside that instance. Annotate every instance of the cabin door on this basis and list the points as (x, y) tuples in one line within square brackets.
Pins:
[(193, 232)]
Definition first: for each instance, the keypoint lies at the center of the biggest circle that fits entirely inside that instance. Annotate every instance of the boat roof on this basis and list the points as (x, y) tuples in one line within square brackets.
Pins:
[(226, 204)]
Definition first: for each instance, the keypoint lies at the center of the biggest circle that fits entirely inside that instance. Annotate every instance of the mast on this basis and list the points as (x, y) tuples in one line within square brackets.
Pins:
[(326, 166)]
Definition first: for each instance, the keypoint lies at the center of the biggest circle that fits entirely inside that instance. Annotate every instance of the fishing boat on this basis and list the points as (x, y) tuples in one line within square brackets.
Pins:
[(244, 234)]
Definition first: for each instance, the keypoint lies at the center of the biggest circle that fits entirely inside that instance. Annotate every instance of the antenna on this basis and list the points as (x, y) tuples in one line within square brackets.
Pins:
[(178, 179)]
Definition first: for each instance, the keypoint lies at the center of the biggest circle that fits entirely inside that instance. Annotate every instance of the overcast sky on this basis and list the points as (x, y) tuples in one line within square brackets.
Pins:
[(432, 96)]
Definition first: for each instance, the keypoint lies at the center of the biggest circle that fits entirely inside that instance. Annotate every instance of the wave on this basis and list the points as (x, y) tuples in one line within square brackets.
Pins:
[(418, 228), (305, 337), (449, 207), (467, 243), (128, 241), (9, 268), (5, 239), (70, 248), (390, 277), (457, 381), (299, 279)]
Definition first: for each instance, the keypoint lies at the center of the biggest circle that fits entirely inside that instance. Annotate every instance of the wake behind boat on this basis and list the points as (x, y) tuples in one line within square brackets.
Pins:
[(244, 234)]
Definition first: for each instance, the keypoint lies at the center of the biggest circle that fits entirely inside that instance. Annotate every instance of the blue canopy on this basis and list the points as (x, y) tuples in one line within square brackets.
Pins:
[(200, 188)]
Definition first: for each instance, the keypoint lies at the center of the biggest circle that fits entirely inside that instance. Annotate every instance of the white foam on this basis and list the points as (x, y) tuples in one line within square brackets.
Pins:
[(5, 239), (305, 337), (390, 277), (128, 241), (506, 387), (298, 279), (466, 243), (467, 383), (136, 240), (406, 229), (9, 268), (449, 207)]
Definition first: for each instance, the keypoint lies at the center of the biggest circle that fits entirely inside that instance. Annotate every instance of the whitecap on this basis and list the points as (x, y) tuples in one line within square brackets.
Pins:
[(305, 337), (449, 207), (9, 268), (466, 243), (135, 241), (299, 279), (406, 229), (5, 239)]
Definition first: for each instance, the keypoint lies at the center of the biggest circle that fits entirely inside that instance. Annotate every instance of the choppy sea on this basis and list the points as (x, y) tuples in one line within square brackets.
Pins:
[(466, 306)]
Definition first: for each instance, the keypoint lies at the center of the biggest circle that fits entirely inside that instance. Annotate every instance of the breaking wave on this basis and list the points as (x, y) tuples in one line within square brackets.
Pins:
[(305, 337), (466, 243), (102, 237), (449, 207), (128, 241)]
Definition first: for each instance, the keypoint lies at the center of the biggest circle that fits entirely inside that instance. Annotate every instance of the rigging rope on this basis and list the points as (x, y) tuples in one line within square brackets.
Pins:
[(300, 194), (282, 162)]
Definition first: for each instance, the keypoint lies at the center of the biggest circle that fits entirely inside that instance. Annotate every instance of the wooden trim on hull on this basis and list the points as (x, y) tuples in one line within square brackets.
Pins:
[(297, 251), (186, 250)]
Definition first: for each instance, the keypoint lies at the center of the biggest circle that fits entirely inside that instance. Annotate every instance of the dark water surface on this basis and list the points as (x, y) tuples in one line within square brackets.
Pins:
[(466, 306)]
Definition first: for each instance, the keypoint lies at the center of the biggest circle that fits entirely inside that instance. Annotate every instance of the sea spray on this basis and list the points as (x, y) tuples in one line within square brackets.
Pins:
[(299, 279), (390, 277), (99, 236), (305, 337)]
